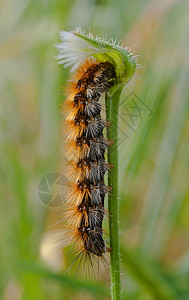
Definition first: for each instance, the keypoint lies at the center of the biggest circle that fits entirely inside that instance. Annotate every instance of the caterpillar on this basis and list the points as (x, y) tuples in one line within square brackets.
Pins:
[(85, 147)]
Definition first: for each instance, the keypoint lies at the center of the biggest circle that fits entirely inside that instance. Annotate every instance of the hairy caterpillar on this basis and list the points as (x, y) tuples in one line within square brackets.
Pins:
[(98, 65), (85, 152)]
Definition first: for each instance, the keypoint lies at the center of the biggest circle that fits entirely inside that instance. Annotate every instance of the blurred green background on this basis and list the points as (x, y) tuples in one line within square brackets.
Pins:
[(154, 157)]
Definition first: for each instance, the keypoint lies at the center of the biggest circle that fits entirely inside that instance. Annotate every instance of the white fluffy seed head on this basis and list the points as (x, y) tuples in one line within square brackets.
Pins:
[(77, 47), (73, 50)]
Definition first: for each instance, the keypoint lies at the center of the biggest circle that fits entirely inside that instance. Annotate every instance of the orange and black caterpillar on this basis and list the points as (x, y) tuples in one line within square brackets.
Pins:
[(86, 146)]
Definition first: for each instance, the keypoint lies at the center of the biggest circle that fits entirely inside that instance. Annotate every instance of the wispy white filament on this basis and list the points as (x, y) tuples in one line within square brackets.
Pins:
[(73, 50)]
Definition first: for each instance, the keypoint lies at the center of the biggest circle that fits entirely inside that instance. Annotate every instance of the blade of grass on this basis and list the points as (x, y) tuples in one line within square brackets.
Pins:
[(92, 288)]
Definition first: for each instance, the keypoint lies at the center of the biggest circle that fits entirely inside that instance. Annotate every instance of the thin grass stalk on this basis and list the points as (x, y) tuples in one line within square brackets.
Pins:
[(112, 107)]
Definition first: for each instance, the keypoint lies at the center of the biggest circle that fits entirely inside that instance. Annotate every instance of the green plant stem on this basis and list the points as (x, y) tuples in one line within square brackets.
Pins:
[(112, 107)]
